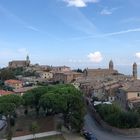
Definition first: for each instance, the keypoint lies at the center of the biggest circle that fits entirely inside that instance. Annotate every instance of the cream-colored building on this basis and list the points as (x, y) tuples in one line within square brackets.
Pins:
[(45, 75)]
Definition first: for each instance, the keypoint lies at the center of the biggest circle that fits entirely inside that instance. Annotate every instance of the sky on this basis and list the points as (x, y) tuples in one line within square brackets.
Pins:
[(76, 33)]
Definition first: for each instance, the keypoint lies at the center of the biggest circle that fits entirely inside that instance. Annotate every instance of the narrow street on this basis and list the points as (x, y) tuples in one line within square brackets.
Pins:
[(92, 126)]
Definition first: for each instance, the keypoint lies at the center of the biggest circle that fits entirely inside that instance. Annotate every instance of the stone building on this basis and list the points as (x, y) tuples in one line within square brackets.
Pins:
[(129, 94), (101, 72), (19, 63), (14, 83), (48, 75), (66, 77), (61, 69)]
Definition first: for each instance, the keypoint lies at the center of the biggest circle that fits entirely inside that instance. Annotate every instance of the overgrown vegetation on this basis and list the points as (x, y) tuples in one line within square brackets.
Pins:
[(114, 116), (6, 74)]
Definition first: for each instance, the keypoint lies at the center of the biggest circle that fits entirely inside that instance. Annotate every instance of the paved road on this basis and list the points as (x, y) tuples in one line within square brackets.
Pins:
[(92, 126), (72, 136)]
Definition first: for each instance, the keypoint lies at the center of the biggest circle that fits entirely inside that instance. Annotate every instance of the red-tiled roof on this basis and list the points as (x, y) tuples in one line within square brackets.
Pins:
[(11, 81), (4, 92)]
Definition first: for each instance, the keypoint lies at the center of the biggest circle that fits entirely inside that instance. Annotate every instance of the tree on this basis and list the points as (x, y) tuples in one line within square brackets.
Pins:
[(75, 111), (29, 73), (8, 105), (32, 98), (62, 98), (53, 103), (113, 115), (6, 74), (79, 70), (17, 71), (34, 129), (65, 99)]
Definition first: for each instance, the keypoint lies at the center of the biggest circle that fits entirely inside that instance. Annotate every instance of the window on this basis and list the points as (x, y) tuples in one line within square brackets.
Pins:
[(138, 94)]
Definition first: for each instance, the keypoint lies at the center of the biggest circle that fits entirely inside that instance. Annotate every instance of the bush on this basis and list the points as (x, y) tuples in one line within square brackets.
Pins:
[(114, 116)]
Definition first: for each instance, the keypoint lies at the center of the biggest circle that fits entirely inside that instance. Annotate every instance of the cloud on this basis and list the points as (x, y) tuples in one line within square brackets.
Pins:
[(33, 28), (77, 61), (79, 3), (76, 3), (95, 57), (106, 12), (122, 32), (107, 34), (137, 54)]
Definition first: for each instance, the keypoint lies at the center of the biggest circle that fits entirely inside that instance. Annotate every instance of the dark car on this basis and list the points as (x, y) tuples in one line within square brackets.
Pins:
[(89, 135), (2, 124)]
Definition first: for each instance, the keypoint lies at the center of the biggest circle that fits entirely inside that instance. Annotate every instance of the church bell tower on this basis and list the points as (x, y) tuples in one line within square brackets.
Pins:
[(27, 60), (135, 71), (111, 66)]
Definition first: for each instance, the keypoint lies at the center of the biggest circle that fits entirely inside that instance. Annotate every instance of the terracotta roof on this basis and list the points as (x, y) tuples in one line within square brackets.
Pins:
[(133, 99), (4, 92), (135, 102), (69, 73), (11, 81), (24, 89), (112, 86), (100, 70), (133, 86), (61, 67)]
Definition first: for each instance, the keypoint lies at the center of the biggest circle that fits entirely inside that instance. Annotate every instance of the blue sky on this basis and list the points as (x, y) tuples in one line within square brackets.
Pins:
[(77, 33)]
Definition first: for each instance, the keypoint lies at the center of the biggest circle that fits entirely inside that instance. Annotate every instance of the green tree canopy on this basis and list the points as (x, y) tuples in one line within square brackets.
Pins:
[(6, 74), (8, 105)]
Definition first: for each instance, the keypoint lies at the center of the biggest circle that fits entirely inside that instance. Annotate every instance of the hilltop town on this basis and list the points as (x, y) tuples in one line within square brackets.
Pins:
[(104, 84), (97, 86)]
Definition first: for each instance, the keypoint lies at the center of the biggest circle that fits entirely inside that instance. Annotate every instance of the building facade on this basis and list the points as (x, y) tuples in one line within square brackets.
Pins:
[(129, 94), (45, 75), (66, 77), (15, 84), (19, 63), (101, 72)]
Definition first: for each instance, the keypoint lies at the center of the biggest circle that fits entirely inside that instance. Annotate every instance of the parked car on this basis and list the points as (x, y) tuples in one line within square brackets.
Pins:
[(2, 124), (89, 135)]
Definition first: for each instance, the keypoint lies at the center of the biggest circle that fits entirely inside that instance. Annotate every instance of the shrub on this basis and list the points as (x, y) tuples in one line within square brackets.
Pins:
[(113, 115)]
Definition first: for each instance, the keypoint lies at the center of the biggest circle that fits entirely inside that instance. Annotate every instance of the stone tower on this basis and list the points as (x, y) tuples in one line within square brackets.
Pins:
[(135, 71), (111, 65), (27, 60)]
